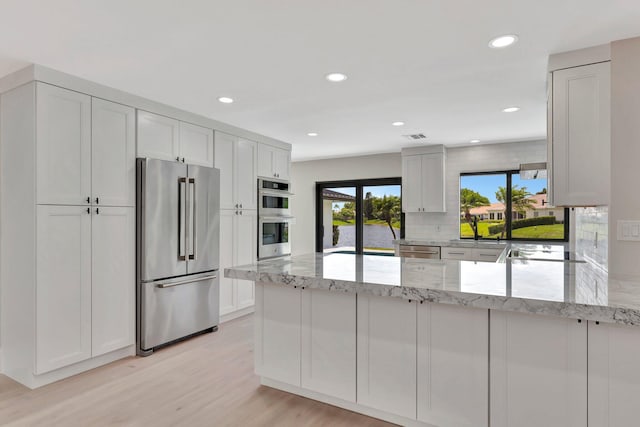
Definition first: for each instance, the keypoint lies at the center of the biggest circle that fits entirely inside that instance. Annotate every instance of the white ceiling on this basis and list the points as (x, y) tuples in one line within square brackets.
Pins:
[(424, 62)]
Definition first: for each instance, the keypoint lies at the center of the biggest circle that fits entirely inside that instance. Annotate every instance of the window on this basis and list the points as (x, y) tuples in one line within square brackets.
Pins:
[(359, 216), (501, 205)]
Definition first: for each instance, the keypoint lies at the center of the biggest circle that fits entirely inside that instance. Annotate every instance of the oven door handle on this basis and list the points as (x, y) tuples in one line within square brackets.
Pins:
[(275, 193), (287, 219)]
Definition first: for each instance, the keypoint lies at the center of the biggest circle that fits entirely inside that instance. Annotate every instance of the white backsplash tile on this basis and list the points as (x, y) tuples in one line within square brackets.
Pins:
[(592, 234)]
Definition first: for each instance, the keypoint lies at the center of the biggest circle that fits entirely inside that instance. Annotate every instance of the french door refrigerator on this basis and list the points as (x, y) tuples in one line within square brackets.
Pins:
[(178, 231)]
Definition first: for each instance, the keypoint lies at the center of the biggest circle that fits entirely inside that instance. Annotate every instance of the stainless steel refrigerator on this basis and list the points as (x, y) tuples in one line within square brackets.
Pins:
[(178, 226)]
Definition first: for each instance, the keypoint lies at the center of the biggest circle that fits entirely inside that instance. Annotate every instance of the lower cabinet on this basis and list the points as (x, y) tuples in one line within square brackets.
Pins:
[(306, 338), (85, 289), (238, 246), (386, 361), (538, 371), (453, 365), (614, 375)]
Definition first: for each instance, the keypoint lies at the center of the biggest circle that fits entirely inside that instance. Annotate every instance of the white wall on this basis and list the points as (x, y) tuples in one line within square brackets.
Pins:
[(304, 176), (476, 158), (625, 153)]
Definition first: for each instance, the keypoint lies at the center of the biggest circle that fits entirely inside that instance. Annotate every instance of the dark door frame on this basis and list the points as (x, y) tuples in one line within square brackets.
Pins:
[(358, 184)]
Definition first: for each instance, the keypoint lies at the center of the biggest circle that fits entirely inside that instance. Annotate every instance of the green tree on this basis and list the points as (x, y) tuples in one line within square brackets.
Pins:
[(367, 206), (387, 208), (520, 200), (471, 199), (543, 191)]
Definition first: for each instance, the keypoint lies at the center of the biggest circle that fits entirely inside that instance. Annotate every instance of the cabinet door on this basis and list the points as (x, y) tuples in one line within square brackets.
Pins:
[(224, 147), (386, 360), (614, 375), (113, 153), (281, 163), (245, 240), (196, 144), (228, 295), (412, 183), (433, 183), (277, 323), (158, 136), (245, 179), (265, 161), (581, 135), (113, 279), (63, 288), (538, 367), (329, 343), (63, 146), (457, 253), (453, 365)]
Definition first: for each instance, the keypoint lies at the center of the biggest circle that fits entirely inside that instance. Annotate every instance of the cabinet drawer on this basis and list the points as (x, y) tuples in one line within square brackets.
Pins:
[(457, 253), (489, 255)]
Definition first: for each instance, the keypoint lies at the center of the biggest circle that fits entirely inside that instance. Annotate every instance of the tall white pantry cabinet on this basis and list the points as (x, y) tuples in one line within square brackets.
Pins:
[(68, 232)]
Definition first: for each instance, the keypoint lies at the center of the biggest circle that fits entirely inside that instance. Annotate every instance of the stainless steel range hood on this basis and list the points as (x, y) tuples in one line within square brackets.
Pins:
[(533, 170)]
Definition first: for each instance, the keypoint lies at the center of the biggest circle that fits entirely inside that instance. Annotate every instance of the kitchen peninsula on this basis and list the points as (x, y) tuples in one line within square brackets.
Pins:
[(447, 342)]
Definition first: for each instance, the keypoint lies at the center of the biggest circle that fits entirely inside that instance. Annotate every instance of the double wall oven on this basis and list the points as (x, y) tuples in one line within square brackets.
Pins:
[(274, 218)]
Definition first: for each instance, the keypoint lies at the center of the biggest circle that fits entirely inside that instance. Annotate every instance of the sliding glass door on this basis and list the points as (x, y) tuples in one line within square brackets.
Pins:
[(360, 216)]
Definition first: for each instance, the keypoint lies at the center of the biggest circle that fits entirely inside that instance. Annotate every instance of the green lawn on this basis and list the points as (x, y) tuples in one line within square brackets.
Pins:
[(555, 231)]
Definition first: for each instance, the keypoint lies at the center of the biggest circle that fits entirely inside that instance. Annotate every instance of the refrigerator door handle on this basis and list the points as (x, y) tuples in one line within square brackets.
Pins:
[(182, 218), (193, 241), (187, 281)]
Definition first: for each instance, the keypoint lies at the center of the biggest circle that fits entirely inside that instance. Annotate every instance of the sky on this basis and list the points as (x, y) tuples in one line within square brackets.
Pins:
[(487, 185)]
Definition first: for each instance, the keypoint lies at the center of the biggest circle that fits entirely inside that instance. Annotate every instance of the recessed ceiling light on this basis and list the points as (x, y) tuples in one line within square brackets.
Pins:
[(473, 141), (511, 109), (225, 100), (312, 134), (503, 41), (336, 77), (397, 123)]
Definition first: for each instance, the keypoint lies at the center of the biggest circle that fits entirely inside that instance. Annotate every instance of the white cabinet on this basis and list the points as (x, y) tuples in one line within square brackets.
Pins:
[(113, 277), (453, 365), (580, 135), (614, 375), (238, 246), (538, 371), (164, 138), (486, 254), (423, 180), (158, 136), (278, 326), (236, 158), (329, 343), (63, 128), (471, 254), (63, 290), (113, 152), (456, 253), (273, 162), (196, 145), (386, 354)]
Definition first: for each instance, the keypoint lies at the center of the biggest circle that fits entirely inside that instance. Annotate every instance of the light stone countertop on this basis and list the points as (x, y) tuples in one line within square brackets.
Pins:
[(568, 289)]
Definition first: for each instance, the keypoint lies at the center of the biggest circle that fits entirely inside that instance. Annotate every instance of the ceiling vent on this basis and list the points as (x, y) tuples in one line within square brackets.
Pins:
[(415, 137)]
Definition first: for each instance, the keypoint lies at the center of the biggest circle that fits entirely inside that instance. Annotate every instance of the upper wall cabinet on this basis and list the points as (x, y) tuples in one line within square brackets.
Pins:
[(86, 149), (236, 159), (63, 126), (579, 135), (113, 151), (163, 138), (273, 162), (423, 178)]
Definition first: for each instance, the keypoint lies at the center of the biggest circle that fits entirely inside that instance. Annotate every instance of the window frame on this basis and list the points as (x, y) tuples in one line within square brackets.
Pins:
[(359, 184), (509, 218)]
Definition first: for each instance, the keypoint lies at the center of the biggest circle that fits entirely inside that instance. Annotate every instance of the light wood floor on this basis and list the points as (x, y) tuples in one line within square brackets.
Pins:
[(206, 381)]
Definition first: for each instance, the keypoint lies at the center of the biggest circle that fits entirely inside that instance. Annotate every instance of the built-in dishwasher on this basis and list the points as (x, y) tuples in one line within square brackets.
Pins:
[(419, 251)]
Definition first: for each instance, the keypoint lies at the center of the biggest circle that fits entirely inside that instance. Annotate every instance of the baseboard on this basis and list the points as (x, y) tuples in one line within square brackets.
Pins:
[(350, 406), (236, 314)]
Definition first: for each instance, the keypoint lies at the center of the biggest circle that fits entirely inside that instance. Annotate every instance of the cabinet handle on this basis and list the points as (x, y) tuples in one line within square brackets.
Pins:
[(97, 201), (240, 212), (89, 211), (97, 211), (177, 159), (236, 212), (240, 205), (88, 199), (456, 253), (183, 160), (236, 206)]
